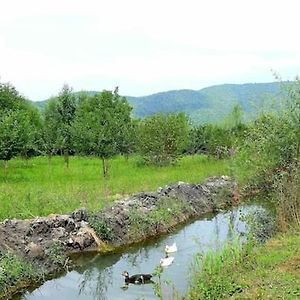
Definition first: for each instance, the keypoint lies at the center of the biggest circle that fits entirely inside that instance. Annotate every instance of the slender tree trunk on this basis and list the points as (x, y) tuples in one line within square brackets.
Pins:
[(5, 165), (49, 158), (105, 167), (126, 155), (66, 157)]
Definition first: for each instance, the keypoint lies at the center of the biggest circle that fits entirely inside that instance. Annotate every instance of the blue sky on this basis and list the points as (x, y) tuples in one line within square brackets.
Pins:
[(145, 46)]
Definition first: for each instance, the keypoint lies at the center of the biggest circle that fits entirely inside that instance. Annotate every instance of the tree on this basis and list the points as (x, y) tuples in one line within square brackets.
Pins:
[(33, 132), (127, 142), (66, 107), (162, 138), (211, 140), (51, 123), (10, 99), (18, 124), (101, 124), (13, 134), (235, 118)]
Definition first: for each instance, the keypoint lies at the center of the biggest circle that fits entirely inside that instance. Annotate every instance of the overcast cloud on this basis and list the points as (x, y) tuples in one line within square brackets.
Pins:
[(145, 46)]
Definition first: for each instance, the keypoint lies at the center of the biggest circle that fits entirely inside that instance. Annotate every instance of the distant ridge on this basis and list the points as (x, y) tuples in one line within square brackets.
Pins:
[(210, 104)]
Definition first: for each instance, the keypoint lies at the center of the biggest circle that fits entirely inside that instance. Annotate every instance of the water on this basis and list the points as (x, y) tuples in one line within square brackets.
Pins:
[(99, 276)]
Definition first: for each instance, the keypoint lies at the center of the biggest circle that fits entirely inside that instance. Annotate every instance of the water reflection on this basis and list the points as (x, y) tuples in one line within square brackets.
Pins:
[(99, 276)]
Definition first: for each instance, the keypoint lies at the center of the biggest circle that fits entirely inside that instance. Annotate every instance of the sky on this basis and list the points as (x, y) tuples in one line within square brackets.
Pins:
[(145, 47)]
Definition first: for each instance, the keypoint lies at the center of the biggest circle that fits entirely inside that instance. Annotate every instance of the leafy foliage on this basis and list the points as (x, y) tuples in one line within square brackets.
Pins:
[(102, 126), (56, 254), (51, 129), (19, 124), (101, 227), (14, 270), (163, 138), (66, 107)]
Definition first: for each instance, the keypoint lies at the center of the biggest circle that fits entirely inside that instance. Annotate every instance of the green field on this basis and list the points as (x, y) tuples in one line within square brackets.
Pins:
[(35, 188)]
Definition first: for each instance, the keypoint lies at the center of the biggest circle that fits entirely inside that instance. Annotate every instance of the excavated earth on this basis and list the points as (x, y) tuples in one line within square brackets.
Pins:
[(74, 233)]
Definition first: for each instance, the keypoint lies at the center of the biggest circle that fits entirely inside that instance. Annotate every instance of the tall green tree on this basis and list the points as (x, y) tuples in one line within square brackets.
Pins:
[(10, 99), (101, 122), (127, 141), (50, 133), (66, 108), (235, 117), (162, 138), (19, 124)]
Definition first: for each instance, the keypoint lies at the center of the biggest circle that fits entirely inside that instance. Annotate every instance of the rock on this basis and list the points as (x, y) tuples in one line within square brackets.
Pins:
[(70, 225), (58, 233), (34, 250), (159, 190), (83, 239), (83, 224), (70, 242), (80, 214), (39, 226)]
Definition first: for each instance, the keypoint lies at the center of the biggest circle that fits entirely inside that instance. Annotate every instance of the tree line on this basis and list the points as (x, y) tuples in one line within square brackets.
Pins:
[(101, 125)]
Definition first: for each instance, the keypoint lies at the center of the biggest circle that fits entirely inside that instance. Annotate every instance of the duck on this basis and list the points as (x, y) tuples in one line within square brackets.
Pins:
[(137, 278), (171, 249), (164, 262)]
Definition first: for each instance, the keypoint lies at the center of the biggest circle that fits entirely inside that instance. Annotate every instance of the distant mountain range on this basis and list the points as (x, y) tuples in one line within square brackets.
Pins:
[(211, 104)]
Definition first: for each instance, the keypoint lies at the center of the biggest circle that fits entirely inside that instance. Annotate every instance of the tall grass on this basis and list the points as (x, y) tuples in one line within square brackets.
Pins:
[(269, 271), (13, 271), (287, 194), (212, 272), (33, 187)]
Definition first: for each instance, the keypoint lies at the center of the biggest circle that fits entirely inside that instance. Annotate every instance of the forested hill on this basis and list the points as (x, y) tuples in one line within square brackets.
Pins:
[(209, 104)]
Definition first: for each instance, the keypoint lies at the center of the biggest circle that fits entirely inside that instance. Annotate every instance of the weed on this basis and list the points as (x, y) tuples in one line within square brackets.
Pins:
[(249, 271), (56, 255), (101, 227), (13, 271), (287, 195), (143, 221)]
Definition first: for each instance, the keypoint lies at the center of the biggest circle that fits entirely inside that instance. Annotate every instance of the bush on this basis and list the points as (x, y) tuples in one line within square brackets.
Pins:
[(162, 138)]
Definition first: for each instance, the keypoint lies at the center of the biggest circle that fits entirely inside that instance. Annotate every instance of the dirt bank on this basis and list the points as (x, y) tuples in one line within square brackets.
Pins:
[(46, 242)]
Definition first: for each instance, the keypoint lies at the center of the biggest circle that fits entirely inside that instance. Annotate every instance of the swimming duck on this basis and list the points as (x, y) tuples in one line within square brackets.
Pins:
[(171, 249), (137, 278), (164, 262)]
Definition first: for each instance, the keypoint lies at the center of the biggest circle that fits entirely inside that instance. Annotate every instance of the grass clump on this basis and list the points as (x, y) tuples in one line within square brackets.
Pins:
[(101, 227), (56, 254), (214, 281), (288, 200), (168, 209), (14, 271), (270, 271)]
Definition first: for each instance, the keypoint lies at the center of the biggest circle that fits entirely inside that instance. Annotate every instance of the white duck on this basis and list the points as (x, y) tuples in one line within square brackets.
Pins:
[(171, 249), (164, 262)]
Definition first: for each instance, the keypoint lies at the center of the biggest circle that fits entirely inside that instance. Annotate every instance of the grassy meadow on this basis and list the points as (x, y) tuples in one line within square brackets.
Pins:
[(30, 188)]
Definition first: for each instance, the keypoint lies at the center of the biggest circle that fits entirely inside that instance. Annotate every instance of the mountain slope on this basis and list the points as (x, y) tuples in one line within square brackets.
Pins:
[(209, 104)]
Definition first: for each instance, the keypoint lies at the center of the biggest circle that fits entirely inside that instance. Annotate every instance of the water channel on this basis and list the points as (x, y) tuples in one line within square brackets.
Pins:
[(99, 276)]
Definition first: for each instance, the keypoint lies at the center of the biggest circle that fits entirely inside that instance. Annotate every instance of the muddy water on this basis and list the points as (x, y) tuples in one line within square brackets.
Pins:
[(99, 276)]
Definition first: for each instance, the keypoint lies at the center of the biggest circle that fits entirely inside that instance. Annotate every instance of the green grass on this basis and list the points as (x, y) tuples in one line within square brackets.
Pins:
[(34, 187), (15, 271), (271, 271)]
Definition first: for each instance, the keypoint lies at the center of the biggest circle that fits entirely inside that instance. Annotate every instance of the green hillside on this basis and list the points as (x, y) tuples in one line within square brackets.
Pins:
[(209, 104)]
